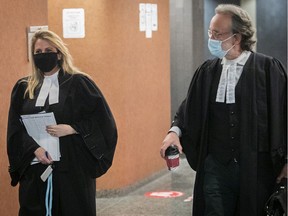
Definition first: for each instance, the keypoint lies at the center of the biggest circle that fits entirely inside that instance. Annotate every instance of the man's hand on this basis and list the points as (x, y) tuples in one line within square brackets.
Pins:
[(171, 139)]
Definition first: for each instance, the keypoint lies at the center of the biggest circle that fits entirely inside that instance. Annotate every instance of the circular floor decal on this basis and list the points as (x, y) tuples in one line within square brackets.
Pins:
[(164, 194)]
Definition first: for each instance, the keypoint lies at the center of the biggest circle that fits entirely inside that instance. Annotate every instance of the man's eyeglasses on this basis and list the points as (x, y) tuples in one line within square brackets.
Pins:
[(216, 35)]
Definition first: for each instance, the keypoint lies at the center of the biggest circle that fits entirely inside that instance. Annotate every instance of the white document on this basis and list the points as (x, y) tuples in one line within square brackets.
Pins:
[(148, 7), (154, 17), (35, 125), (142, 7), (142, 21), (148, 25), (73, 23), (148, 18)]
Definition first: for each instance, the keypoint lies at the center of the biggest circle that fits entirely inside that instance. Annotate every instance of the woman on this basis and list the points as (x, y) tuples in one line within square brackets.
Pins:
[(85, 130)]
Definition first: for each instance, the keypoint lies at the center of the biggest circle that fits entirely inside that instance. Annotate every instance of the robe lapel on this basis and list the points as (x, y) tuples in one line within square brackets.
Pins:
[(65, 81)]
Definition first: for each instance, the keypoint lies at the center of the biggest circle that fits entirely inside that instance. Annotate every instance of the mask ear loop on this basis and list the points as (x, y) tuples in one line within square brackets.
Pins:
[(230, 49), (226, 40)]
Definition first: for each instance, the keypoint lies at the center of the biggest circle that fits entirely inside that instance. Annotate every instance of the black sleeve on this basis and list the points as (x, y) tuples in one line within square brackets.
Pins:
[(277, 105), (20, 146), (181, 117), (189, 116), (96, 126)]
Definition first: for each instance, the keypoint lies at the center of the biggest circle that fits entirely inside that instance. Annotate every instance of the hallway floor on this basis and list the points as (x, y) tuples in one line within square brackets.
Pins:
[(177, 184)]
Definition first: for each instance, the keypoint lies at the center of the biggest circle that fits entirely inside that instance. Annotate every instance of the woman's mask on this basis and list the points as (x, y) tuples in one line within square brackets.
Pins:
[(46, 61)]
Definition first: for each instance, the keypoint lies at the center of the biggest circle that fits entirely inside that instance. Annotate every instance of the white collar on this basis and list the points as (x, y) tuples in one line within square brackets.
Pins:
[(240, 60), (50, 86), (231, 72)]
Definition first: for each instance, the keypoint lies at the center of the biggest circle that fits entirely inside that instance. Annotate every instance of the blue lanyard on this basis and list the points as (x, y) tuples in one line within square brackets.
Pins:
[(48, 197)]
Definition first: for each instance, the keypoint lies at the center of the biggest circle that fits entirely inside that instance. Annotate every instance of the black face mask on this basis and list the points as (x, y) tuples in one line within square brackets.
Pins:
[(46, 61)]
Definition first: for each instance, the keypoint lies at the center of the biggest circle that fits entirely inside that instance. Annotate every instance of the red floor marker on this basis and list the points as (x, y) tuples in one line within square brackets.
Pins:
[(164, 194)]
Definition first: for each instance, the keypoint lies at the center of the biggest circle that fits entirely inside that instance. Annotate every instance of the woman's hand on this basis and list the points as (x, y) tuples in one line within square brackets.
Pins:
[(171, 139), (60, 130), (43, 156)]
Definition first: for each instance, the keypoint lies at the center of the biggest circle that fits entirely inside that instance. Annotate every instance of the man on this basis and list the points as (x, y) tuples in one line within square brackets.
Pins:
[(233, 123)]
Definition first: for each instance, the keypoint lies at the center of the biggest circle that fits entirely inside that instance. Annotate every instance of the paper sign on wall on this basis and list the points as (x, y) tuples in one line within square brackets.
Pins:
[(148, 18), (73, 23)]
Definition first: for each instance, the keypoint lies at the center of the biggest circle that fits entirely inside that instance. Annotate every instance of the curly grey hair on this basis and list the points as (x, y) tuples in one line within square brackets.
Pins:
[(241, 24)]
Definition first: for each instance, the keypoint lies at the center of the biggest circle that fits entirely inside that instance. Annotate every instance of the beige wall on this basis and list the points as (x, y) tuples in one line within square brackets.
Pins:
[(132, 71), (15, 16)]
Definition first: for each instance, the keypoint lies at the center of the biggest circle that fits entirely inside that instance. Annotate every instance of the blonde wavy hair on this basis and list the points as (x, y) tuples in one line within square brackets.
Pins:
[(66, 61)]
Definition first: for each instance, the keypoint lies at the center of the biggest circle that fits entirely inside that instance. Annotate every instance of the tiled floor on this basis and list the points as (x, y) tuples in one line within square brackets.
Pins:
[(135, 203)]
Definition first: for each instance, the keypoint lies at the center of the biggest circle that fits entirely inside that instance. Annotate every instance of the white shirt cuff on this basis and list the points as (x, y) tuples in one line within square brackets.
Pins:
[(176, 130)]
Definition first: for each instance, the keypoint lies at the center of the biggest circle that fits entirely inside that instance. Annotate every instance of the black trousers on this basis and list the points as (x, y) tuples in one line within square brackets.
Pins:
[(73, 193), (221, 187)]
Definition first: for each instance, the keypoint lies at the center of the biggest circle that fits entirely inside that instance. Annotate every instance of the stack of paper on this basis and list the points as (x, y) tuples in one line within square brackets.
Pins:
[(35, 125)]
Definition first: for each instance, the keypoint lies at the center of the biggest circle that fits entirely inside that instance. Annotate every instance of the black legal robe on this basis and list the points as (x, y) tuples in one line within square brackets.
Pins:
[(263, 129), (84, 156)]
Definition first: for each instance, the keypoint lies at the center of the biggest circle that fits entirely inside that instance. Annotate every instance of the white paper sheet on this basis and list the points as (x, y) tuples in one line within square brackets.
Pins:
[(148, 25), (142, 21), (148, 18), (154, 17), (35, 125), (73, 23)]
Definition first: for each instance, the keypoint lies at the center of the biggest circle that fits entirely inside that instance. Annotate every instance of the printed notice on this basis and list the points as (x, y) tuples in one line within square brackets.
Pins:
[(73, 23), (148, 18)]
